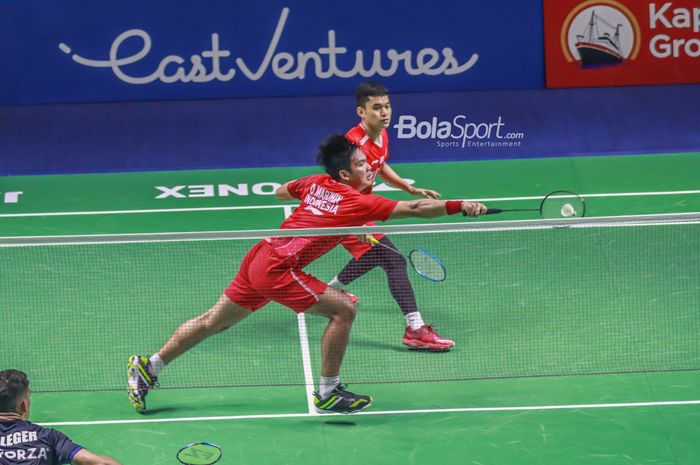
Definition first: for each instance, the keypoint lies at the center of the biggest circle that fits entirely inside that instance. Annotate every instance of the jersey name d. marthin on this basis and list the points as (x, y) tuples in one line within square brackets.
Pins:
[(24, 443), (326, 203)]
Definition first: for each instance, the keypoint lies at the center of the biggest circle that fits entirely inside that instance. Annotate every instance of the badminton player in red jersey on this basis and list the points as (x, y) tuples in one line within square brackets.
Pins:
[(273, 270), (370, 134)]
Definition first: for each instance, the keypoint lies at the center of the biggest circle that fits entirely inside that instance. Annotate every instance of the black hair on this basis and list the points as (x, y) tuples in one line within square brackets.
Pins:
[(13, 387), (335, 154), (368, 89)]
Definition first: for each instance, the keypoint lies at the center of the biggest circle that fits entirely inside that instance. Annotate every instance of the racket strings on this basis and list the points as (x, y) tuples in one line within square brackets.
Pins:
[(427, 265)]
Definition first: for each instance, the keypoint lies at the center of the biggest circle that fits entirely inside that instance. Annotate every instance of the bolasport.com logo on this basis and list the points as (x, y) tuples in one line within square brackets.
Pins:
[(459, 131), (600, 33)]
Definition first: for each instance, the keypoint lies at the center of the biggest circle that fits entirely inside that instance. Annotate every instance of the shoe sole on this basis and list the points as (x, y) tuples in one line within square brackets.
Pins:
[(326, 412), (132, 370), (427, 348)]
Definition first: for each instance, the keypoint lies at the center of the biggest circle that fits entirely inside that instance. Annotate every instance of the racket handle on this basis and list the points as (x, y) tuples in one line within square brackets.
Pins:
[(489, 211)]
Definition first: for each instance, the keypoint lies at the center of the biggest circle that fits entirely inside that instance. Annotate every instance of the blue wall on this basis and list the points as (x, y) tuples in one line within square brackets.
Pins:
[(279, 132)]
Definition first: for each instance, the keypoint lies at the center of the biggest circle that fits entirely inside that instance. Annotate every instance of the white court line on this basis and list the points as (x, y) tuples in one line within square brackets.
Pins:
[(306, 363), (288, 208), (383, 412), (304, 346), (153, 210)]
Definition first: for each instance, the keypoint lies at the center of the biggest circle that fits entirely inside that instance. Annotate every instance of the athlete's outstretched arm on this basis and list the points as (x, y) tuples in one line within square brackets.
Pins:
[(85, 457), (282, 192), (388, 174), (430, 208)]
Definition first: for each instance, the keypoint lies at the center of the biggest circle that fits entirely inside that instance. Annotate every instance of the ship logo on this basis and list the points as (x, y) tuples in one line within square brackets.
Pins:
[(600, 33)]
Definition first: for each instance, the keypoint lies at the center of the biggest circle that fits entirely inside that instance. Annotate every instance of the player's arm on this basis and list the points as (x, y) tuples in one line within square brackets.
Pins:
[(282, 192), (85, 457), (388, 174), (431, 208)]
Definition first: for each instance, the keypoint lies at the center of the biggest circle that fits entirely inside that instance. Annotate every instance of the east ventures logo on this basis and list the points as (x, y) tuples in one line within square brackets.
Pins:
[(220, 64), (600, 33)]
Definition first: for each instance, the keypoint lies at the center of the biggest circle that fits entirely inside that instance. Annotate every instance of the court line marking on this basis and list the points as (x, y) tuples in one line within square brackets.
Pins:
[(306, 363), (382, 412), (287, 208), (305, 350), (152, 210)]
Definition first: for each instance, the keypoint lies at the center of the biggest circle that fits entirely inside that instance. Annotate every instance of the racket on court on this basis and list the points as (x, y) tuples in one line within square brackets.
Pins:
[(557, 204), (425, 264), (199, 453)]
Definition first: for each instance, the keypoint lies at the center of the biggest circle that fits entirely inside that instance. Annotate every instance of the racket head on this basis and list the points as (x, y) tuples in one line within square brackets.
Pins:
[(562, 204), (427, 265), (199, 453)]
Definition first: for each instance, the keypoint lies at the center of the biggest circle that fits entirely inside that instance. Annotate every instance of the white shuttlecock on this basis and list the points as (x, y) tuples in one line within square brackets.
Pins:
[(568, 210)]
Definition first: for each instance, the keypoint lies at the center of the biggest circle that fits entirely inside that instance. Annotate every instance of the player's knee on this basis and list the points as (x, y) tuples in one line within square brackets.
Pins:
[(394, 263), (346, 311)]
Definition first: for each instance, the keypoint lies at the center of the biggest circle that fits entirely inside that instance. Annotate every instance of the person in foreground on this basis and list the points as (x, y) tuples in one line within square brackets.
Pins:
[(24, 443), (273, 270), (370, 135)]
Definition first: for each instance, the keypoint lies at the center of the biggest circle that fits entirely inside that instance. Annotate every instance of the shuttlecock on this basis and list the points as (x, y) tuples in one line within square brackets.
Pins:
[(567, 210)]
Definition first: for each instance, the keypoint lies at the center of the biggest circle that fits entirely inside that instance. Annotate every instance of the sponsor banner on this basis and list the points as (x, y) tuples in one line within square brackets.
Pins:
[(621, 42), (77, 51), (464, 126)]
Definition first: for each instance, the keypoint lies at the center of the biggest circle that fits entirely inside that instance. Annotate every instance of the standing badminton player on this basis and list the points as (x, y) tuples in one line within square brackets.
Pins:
[(273, 270), (370, 134)]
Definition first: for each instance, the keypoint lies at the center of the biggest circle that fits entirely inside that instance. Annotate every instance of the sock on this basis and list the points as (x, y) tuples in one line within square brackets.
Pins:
[(335, 283), (414, 320), (157, 364), (326, 385)]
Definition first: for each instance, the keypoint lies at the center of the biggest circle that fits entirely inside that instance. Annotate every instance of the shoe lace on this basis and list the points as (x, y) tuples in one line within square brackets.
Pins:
[(341, 387)]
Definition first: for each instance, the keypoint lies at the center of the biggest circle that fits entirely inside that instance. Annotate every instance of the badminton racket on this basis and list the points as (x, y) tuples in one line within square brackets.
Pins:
[(199, 453), (425, 264)]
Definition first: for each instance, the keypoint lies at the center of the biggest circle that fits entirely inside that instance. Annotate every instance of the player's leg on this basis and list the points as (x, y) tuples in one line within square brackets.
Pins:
[(218, 318), (239, 300), (143, 371), (340, 312), (358, 266), (332, 396), (417, 334), (395, 267)]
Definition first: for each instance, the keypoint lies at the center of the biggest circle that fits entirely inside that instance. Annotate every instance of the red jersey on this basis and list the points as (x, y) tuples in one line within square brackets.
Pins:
[(376, 154), (326, 203)]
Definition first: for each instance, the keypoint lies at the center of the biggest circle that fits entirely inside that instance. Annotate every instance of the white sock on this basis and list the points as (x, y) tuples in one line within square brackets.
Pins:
[(414, 320), (326, 385), (157, 364), (336, 284)]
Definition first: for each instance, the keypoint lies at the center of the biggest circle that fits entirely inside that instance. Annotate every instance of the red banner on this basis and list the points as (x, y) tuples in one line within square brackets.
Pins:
[(621, 42)]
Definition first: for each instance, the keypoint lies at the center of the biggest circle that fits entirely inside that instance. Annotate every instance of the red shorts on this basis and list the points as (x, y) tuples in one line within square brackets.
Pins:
[(358, 248), (264, 276)]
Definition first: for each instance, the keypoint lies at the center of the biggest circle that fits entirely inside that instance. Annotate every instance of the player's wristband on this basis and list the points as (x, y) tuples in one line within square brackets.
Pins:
[(453, 207)]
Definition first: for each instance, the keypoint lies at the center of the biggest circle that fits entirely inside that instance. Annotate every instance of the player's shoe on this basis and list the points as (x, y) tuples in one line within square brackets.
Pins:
[(352, 297), (141, 380), (426, 338), (341, 401)]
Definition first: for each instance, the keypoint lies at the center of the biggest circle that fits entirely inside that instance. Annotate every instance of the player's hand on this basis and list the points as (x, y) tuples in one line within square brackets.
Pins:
[(366, 238), (427, 193), (473, 208)]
